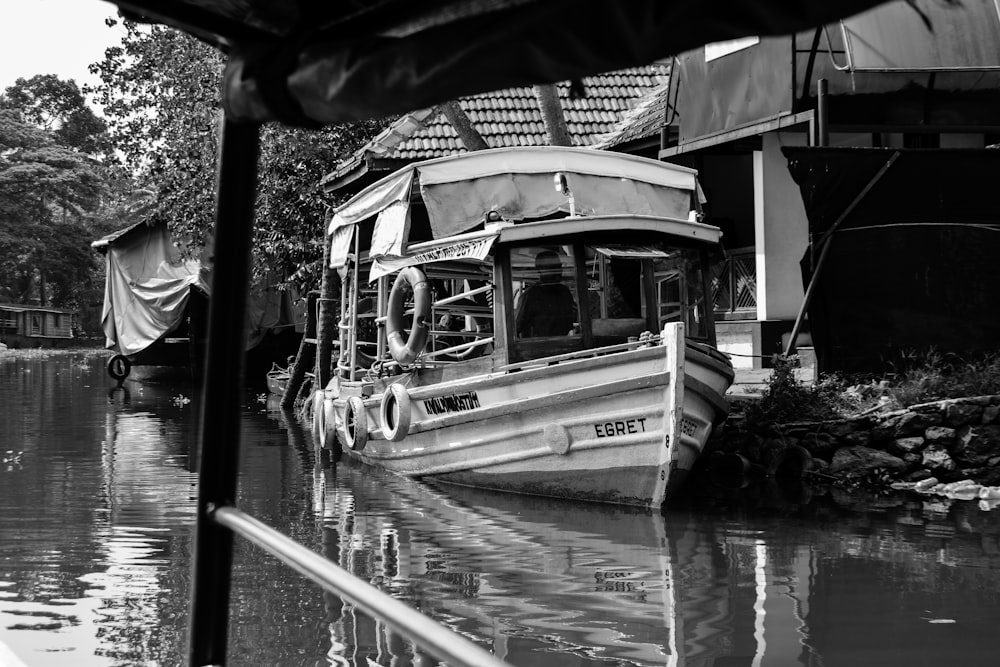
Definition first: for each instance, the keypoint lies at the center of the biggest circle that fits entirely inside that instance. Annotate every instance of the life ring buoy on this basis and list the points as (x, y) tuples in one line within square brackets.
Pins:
[(119, 367), (394, 412), (409, 279), (355, 423)]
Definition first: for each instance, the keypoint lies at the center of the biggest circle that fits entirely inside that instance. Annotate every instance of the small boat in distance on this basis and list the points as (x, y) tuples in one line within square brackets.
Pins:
[(277, 379), (534, 320)]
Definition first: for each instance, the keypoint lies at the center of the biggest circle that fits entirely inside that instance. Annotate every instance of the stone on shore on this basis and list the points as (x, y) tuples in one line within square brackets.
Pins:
[(859, 460)]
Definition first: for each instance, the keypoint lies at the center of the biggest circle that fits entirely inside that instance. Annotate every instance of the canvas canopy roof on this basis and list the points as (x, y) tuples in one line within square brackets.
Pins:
[(518, 183), (307, 63)]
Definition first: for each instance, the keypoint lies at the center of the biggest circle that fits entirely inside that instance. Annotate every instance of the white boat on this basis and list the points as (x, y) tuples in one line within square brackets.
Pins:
[(534, 320)]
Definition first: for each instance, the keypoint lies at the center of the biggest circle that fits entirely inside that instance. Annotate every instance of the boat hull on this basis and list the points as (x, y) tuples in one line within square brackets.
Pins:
[(597, 429)]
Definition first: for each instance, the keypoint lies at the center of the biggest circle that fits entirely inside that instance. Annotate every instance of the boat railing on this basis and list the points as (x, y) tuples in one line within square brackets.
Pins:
[(583, 354), (444, 643), (460, 304), (462, 347)]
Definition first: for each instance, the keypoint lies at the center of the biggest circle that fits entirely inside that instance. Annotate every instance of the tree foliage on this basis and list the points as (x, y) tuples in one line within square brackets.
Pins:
[(47, 102), (164, 114), (51, 185)]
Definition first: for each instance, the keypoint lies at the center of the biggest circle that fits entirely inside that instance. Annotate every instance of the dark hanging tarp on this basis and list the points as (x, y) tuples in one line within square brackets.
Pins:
[(305, 62), (914, 264)]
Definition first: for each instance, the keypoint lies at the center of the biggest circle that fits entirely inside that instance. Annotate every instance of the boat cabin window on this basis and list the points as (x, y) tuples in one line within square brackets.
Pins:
[(628, 289), (545, 296), (546, 306)]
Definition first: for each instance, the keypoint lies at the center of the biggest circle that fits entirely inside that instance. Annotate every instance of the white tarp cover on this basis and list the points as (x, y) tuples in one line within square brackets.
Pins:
[(147, 287), (551, 160), (457, 207), (519, 183), (373, 199), (387, 198)]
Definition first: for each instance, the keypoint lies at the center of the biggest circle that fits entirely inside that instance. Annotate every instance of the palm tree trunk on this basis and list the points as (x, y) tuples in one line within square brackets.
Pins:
[(466, 131), (552, 115), (326, 321)]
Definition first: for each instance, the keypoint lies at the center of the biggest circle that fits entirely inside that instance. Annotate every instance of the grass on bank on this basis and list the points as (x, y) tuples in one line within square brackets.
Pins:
[(917, 377)]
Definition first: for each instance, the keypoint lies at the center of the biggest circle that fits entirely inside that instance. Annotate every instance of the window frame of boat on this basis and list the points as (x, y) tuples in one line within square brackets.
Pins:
[(702, 306), (516, 350)]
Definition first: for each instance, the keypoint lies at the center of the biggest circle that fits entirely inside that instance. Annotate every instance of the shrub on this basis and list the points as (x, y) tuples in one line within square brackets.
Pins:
[(917, 377), (786, 398), (923, 376)]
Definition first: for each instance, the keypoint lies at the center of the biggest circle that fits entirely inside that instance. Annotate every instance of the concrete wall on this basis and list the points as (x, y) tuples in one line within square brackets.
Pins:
[(741, 339)]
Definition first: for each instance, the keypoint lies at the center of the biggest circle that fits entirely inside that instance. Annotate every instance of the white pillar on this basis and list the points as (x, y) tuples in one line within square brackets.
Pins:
[(781, 230)]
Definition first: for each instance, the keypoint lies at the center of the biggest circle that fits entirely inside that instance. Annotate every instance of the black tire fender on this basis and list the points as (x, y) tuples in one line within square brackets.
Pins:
[(119, 367)]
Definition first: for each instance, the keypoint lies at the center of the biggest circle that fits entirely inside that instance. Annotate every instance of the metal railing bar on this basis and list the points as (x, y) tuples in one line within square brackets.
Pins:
[(444, 643), (457, 348)]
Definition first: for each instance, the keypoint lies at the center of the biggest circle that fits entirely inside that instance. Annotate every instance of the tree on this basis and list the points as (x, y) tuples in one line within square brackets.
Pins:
[(164, 113), (47, 102), (160, 92), (50, 187)]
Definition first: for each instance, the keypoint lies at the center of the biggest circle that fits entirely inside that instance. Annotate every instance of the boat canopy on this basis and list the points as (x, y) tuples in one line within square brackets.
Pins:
[(464, 192), (147, 287)]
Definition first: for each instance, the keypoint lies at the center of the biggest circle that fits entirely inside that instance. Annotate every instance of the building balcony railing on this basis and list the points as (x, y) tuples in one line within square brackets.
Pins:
[(734, 285)]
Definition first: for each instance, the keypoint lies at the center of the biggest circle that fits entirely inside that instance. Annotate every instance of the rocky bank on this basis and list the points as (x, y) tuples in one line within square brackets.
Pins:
[(949, 447)]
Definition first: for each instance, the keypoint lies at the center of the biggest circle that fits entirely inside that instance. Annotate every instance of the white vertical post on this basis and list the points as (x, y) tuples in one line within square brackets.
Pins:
[(379, 313), (356, 275), (673, 408)]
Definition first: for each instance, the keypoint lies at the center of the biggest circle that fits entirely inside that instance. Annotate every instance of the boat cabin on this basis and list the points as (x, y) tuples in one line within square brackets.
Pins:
[(510, 256)]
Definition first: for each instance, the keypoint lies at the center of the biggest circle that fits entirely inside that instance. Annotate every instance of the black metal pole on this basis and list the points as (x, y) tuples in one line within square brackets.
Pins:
[(219, 437)]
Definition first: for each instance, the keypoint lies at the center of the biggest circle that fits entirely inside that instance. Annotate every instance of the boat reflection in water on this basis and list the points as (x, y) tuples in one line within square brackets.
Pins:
[(544, 582), (540, 577)]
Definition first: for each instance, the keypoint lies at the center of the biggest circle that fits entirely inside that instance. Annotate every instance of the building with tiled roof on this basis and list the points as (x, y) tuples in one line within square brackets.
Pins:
[(641, 130), (509, 117)]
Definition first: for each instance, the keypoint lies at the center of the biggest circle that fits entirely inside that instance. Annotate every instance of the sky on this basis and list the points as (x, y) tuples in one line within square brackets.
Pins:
[(59, 37)]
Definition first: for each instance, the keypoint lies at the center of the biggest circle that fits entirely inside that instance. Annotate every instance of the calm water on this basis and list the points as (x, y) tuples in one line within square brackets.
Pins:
[(96, 516)]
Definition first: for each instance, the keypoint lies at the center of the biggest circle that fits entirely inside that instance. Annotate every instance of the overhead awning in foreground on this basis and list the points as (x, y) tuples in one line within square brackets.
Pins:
[(309, 63)]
